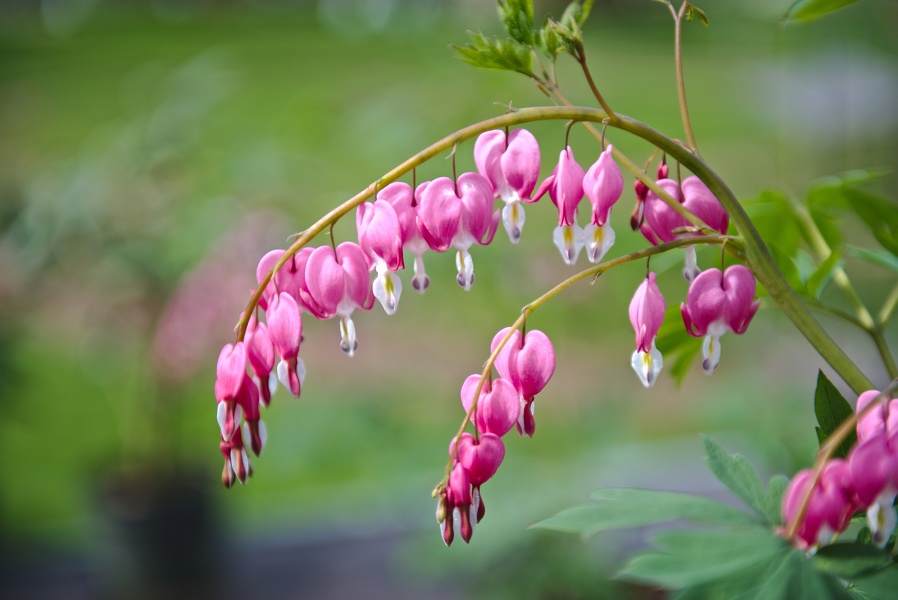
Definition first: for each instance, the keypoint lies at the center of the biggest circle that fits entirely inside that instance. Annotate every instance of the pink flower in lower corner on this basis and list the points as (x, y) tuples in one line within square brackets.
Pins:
[(603, 184), (874, 471), (565, 188), (831, 505), (646, 315), (511, 164), (717, 303)]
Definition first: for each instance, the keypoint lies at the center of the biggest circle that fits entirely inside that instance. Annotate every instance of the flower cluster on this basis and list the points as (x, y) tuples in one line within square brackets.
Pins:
[(866, 481), (333, 281), (568, 183), (716, 303), (525, 364)]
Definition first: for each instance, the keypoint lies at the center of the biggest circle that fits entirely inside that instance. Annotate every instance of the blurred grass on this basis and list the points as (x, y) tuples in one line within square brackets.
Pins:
[(134, 142)]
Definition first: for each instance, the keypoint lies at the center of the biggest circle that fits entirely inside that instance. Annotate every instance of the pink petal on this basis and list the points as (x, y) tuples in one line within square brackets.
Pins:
[(284, 325), (380, 234), (481, 459), (440, 213), (230, 371), (499, 409), (325, 280), (660, 217), (520, 163), (647, 313), (739, 286), (705, 303), (703, 204), (603, 184), (488, 150), (533, 365), (356, 275), (477, 209), (510, 348)]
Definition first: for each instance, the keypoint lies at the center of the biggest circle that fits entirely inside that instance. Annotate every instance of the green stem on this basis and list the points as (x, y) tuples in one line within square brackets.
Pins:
[(581, 58), (888, 307), (884, 351), (530, 308), (681, 82), (823, 252), (759, 258)]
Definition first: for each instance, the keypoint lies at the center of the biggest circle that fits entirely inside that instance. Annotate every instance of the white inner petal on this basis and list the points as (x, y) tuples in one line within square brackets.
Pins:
[(569, 241), (513, 219)]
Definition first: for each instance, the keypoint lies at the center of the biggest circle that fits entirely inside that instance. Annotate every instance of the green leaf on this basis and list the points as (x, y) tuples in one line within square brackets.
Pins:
[(822, 275), (734, 472), (624, 508), (851, 560), (832, 409), (877, 257), (778, 485), (773, 215), (694, 12), (878, 213), (787, 266), (807, 10), (486, 53), (688, 558), (787, 576), (879, 586), (517, 16)]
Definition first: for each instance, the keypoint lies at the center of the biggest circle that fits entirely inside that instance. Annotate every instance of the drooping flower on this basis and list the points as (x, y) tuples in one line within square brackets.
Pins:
[(260, 355), (512, 167), (402, 198), (646, 315), (498, 407), (830, 507), (565, 188), (237, 466), (481, 458), (716, 303), (527, 362), (458, 214), (701, 202), (230, 375), (285, 330), (380, 237), (874, 471), (603, 184), (338, 284), (881, 419), (290, 278)]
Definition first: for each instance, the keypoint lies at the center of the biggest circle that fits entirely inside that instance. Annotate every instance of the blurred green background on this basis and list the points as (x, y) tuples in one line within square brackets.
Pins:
[(151, 152)]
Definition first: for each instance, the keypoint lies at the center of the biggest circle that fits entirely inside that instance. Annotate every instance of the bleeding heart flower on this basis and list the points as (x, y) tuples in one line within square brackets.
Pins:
[(498, 407), (458, 214), (565, 187), (402, 199), (512, 167), (603, 184), (716, 303), (338, 284), (285, 329), (646, 315)]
